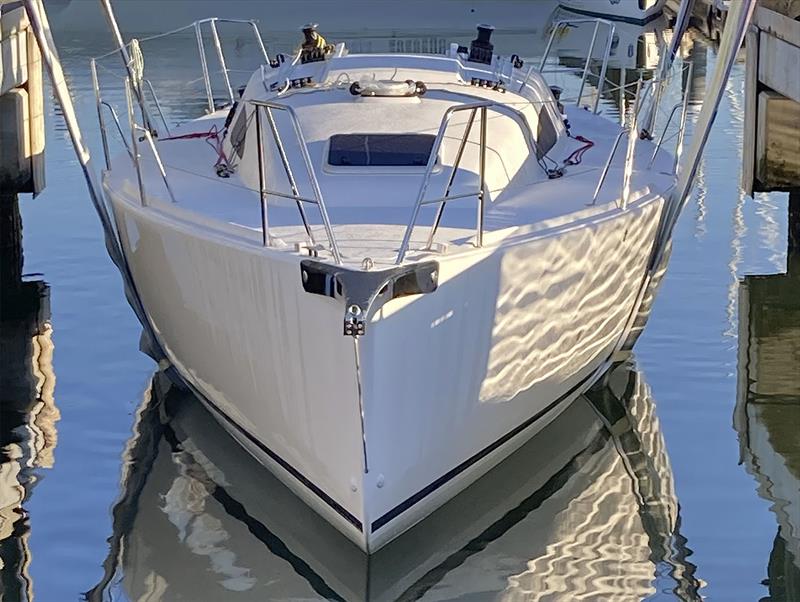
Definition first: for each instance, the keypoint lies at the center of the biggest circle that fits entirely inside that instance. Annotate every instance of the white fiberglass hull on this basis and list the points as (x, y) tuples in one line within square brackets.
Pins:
[(631, 11), (451, 382)]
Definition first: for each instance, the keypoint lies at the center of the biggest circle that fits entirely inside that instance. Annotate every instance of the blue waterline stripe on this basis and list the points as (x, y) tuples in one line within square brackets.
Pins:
[(422, 493), (341, 510)]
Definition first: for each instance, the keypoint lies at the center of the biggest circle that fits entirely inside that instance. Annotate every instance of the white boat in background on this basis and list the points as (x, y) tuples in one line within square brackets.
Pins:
[(634, 46), (384, 273), (200, 519), (630, 11)]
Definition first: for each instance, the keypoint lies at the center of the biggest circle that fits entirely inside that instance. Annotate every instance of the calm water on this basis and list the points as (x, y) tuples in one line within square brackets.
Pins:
[(675, 478)]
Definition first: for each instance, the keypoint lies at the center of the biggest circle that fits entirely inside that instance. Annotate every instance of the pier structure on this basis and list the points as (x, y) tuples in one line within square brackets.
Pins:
[(771, 148), (28, 412), (22, 138), (22, 142)]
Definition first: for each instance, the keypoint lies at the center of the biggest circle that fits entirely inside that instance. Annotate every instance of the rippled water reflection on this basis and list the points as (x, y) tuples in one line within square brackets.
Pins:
[(610, 502), (588, 508)]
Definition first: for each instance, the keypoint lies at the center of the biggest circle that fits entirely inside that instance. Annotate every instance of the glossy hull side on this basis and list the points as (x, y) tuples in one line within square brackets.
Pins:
[(235, 321), (452, 381), (456, 380)]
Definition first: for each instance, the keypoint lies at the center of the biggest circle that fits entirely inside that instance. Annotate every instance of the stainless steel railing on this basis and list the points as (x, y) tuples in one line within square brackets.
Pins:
[(136, 130), (587, 64), (138, 81), (267, 108), (480, 193), (633, 134)]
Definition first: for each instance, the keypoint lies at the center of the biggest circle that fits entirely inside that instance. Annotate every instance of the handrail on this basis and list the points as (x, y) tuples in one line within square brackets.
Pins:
[(607, 165), (641, 92), (134, 143), (630, 154), (483, 106), (99, 106), (197, 28), (663, 134), (119, 129), (318, 199), (204, 66), (221, 59), (457, 161), (191, 26), (684, 106), (146, 135), (158, 105), (139, 94), (684, 114), (432, 158), (606, 55)]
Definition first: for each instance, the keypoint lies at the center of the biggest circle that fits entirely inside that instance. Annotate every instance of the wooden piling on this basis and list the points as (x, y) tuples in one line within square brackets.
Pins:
[(794, 222), (22, 132), (771, 150), (10, 244)]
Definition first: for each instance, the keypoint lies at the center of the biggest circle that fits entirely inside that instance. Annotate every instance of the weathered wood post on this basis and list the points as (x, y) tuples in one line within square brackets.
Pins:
[(771, 148), (10, 244), (22, 137)]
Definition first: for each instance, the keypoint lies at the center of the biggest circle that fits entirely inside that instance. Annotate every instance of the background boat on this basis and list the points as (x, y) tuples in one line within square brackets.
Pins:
[(631, 11)]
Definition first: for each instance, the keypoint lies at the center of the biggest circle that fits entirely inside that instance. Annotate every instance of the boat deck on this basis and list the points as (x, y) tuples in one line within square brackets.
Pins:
[(366, 227)]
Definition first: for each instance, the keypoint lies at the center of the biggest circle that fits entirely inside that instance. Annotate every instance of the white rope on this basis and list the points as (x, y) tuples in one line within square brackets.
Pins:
[(137, 62)]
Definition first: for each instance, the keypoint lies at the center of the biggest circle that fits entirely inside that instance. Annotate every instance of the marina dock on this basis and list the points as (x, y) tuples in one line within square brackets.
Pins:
[(22, 137)]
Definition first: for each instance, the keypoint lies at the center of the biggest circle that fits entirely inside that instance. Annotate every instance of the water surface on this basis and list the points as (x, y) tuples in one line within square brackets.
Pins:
[(675, 479)]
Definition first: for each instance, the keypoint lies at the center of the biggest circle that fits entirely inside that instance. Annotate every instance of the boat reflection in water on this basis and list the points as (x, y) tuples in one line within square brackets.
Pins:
[(586, 507), (767, 411)]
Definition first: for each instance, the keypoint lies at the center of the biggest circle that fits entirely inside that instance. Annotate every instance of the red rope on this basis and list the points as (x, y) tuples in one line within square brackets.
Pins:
[(212, 137), (577, 155)]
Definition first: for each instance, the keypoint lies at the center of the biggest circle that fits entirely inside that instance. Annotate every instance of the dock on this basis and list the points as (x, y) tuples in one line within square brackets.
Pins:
[(771, 150), (27, 380), (22, 137), (22, 144)]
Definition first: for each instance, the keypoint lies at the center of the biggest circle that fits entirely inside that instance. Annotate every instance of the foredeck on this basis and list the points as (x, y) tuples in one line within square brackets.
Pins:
[(366, 225)]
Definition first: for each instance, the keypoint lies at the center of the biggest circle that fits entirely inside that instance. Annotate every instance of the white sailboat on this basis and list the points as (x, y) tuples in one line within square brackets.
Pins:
[(384, 273), (408, 267)]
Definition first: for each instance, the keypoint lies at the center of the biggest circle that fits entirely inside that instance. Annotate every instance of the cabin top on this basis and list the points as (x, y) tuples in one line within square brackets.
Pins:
[(380, 115)]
